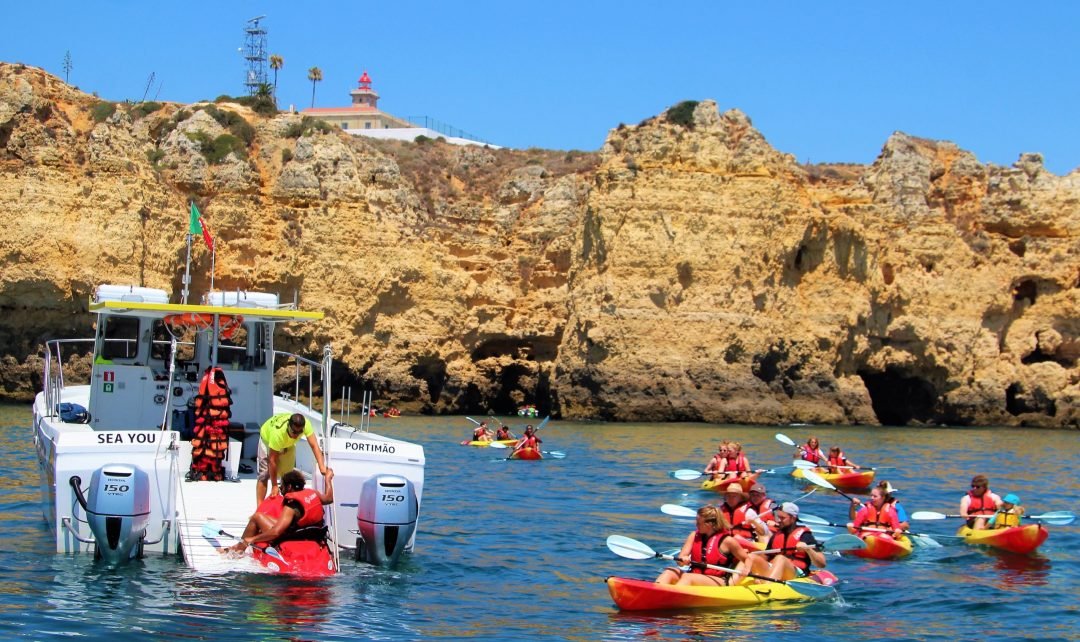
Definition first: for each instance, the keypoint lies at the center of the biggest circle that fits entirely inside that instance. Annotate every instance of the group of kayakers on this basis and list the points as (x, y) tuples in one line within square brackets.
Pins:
[(729, 462), (836, 461), (482, 433)]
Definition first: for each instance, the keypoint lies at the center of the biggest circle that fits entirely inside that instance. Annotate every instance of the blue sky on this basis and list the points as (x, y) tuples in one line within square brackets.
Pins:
[(825, 81)]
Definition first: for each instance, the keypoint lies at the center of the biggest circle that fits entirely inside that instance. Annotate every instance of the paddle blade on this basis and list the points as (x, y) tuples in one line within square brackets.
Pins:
[(685, 474), (812, 589), (925, 540), (816, 479), (629, 548), (803, 464), (1056, 518), (927, 514), (555, 454), (211, 530), (822, 532), (813, 519), (497, 445), (676, 510), (784, 439), (843, 542), (544, 422), (473, 420)]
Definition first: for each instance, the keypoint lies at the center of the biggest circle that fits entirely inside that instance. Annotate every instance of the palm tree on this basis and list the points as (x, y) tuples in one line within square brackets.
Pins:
[(314, 75), (276, 63)]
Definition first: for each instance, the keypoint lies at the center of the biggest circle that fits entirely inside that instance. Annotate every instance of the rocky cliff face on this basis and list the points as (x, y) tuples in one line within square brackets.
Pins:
[(686, 271)]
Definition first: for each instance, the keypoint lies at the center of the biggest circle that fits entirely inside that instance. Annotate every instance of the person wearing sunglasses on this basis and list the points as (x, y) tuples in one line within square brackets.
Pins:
[(979, 504), (277, 449)]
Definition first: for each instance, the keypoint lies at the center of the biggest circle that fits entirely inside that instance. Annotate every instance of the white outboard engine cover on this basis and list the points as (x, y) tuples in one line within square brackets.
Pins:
[(386, 517), (118, 509)]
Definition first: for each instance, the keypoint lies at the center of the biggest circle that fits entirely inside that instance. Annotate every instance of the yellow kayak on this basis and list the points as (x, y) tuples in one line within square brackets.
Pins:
[(645, 595), (483, 444)]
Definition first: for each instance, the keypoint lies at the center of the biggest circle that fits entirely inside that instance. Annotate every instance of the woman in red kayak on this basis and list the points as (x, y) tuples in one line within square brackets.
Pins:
[(710, 543), (295, 514), (878, 515), (530, 440)]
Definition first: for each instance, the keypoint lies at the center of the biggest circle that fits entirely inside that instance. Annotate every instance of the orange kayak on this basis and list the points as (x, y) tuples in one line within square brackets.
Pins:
[(1016, 539), (719, 484), (883, 547), (852, 480)]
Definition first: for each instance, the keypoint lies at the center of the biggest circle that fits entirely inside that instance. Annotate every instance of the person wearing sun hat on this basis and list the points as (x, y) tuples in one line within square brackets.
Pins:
[(743, 518), (1009, 513), (796, 544)]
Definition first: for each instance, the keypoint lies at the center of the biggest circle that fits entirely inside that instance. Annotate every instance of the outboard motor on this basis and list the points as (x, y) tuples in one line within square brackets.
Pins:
[(386, 517), (117, 510)]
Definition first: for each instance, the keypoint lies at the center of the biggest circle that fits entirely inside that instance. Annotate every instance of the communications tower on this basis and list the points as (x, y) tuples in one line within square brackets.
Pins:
[(255, 55)]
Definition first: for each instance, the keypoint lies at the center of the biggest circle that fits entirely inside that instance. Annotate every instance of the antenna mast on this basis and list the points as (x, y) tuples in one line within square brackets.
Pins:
[(255, 55)]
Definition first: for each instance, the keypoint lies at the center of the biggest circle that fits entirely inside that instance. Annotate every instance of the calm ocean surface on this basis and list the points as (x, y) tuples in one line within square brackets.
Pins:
[(515, 550)]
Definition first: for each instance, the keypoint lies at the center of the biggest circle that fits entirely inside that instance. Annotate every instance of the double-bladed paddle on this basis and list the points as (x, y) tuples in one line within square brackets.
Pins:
[(635, 550), (917, 537), (835, 544), (687, 474), (1055, 518), (678, 510), (212, 529)]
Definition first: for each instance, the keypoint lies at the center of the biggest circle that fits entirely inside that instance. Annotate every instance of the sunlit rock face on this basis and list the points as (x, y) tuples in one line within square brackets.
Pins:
[(686, 271)]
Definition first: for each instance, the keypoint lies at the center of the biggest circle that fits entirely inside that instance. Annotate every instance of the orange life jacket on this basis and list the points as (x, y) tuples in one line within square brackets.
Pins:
[(870, 517), (214, 400), (788, 541), (981, 504), (737, 518), (707, 549)]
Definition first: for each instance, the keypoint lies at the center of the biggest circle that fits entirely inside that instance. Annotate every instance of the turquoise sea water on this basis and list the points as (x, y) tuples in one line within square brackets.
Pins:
[(515, 550)]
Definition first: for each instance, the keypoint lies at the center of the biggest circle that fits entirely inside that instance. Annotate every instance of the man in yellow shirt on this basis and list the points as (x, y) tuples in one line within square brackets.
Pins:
[(277, 449)]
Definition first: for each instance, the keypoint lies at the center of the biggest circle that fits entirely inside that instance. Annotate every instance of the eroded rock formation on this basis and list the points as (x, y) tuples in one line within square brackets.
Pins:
[(687, 271)]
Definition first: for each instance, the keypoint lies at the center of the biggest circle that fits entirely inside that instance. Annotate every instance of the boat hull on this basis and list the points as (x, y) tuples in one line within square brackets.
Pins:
[(719, 485), (883, 547), (854, 480), (643, 595), (528, 454), (1016, 539)]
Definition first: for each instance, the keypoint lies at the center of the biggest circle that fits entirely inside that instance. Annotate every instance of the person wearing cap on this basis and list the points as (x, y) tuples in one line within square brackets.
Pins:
[(710, 543), (1009, 513), (744, 520), (796, 544), (979, 503), (876, 516), (887, 489), (762, 505), (277, 449)]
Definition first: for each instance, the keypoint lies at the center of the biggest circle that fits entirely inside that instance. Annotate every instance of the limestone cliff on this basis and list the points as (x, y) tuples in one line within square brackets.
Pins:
[(686, 271)]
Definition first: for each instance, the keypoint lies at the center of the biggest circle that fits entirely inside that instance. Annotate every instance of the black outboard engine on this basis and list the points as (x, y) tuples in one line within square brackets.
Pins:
[(386, 517), (117, 510)]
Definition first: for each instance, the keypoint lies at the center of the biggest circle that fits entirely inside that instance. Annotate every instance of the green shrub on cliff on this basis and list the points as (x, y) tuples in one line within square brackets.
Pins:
[(306, 125), (214, 150), (683, 113), (143, 109), (101, 111)]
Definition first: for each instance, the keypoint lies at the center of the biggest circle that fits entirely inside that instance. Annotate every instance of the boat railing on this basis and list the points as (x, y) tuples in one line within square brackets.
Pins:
[(53, 370), (302, 368)]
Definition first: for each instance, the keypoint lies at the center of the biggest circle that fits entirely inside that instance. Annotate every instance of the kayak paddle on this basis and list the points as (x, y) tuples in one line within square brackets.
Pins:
[(687, 474), (677, 510), (817, 479), (211, 530), (1055, 518), (835, 544), (784, 439), (917, 537), (635, 550)]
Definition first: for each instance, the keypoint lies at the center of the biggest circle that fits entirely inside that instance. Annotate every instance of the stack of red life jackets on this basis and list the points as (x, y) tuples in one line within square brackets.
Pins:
[(211, 441)]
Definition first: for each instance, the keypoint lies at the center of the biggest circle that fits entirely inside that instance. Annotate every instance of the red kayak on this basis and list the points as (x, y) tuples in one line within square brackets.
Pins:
[(530, 454), (882, 547), (1015, 539), (300, 558)]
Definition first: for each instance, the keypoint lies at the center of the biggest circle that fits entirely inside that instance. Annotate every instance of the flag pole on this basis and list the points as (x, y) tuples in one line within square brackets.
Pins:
[(213, 264), (187, 268)]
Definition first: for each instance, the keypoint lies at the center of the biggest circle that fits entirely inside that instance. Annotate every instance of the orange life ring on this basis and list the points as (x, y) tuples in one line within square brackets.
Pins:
[(228, 324)]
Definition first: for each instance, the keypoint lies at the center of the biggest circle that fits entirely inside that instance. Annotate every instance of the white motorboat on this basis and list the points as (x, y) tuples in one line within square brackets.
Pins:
[(116, 452)]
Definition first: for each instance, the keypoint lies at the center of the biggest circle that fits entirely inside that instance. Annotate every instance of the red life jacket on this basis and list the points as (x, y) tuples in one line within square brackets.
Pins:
[(707, 549), (780, 539), (272, 506), (737, 518), (736, 465), (871, 517), (309, 501), (838, 462), (981, 504), (530, 442), (809, 456), (502, 434), (764, 509), (478, 433)]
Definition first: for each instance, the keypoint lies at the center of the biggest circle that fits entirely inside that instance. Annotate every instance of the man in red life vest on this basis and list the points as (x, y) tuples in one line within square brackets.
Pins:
[(286, 516), (504, 434), (277, 449), (798, 548), (979, 504), (742, 517), (762, 505), (481, 432)]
